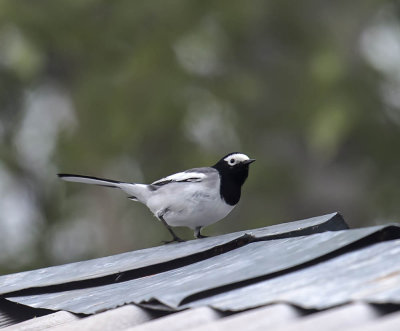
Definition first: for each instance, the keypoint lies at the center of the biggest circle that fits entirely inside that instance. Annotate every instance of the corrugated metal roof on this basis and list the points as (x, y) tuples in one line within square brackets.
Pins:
[(312, 264), (257, 259), (356, 316), (158, 256), (370, 274)]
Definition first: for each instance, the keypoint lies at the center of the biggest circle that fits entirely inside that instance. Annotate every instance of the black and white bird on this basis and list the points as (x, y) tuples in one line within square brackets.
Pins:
[(193, 198)]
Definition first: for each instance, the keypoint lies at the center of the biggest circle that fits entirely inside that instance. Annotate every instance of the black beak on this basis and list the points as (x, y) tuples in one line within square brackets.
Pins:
[(248, 161)]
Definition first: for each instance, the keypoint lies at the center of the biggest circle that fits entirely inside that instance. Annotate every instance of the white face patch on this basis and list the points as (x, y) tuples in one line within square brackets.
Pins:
[(236, 158)]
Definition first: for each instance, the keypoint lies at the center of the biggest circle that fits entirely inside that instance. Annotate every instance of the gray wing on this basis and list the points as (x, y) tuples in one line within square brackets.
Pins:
[(191, 175)]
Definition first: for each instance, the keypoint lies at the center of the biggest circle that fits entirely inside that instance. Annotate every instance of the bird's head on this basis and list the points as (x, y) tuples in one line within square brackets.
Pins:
[(235, 165)]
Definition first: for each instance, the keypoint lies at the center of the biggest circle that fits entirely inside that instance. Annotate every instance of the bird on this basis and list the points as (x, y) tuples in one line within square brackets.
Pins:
[(193, 198)]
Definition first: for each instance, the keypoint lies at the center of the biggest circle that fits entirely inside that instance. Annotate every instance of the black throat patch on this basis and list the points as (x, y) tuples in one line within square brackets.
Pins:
[(230, 191), (232, 180)]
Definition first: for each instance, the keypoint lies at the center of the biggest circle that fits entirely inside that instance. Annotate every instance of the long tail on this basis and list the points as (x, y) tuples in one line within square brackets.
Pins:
[(138, 192), (90, 180)]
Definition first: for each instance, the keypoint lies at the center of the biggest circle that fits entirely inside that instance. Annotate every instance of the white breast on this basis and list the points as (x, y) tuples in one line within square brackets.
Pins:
[(190, 204)]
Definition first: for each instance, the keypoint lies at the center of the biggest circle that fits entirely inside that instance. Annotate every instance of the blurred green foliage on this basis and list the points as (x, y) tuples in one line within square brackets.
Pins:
[(136, 90)]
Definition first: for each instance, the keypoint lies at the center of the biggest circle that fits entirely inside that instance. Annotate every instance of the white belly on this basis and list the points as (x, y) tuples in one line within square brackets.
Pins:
[(194, 208)]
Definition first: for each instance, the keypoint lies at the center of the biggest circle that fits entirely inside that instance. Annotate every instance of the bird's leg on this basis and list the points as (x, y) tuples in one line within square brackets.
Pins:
[(174, 236), (197, 233)]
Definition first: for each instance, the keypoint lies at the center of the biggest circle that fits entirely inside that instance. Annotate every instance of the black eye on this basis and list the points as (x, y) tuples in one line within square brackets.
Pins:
[(232, 161)]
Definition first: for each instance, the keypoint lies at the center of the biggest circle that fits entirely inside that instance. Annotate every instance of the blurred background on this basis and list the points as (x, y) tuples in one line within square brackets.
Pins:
[(137, 90)]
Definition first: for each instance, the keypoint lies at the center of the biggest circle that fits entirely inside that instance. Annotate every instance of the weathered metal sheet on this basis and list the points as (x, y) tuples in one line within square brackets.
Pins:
[(113, 265), (252, 261), (370, 274), (46, 322), (6, 320), (11, 313), (329, 222)]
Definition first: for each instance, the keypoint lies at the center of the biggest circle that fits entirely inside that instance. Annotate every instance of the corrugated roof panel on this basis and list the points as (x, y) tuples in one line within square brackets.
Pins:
[(181, 321), (390, 322), (116, 319), (11, 313), (254, 260), (44, 322), (340, 318), (6, 320), (370, 274), (264, 318), (114, 265)]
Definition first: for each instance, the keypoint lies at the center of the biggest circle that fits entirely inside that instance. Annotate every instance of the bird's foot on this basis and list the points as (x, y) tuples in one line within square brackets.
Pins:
[(197, 233), (175, 239), (200, 236)]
